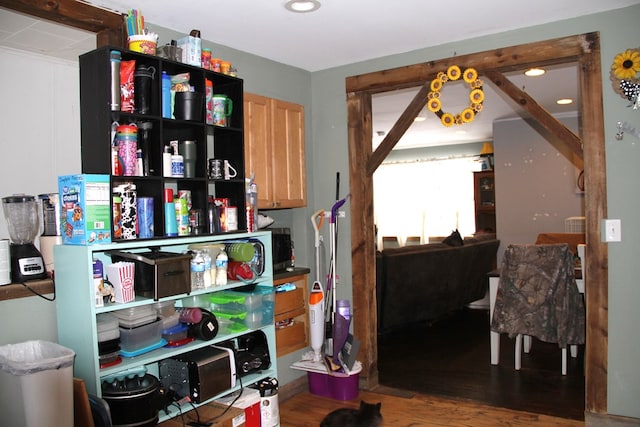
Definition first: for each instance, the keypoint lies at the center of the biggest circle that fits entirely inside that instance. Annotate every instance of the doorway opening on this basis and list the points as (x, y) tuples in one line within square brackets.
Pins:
[(583, 49)]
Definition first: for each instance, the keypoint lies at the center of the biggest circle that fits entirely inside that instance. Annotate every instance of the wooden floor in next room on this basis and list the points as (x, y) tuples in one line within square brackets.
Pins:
[(450, 358)]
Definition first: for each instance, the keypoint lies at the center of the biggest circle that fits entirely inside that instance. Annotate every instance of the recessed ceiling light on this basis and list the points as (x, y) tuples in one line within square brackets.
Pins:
[(564, 101), (534, 72), (302, 6), (461, 132), (419, 119)]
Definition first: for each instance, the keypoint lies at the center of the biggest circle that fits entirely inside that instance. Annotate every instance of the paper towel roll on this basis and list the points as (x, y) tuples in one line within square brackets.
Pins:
[(46, 250), (5, 262)]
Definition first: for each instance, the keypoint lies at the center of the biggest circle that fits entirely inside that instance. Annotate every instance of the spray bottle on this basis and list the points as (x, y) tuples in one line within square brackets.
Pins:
[(316, 320)]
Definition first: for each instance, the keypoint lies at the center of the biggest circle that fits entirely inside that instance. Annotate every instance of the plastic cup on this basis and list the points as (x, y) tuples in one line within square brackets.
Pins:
[(143, 43)]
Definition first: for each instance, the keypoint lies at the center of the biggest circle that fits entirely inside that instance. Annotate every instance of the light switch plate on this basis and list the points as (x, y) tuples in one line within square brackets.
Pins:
[(611, 230)]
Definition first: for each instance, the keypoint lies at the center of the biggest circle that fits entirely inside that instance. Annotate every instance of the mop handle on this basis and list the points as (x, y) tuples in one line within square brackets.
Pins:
[(317, 224), (336, 206), (317, 219)]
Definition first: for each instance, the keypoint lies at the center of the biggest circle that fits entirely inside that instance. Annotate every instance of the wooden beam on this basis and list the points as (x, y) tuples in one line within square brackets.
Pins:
[(542, 116), (556, 51), (584, 49), (399, 128), (362, 234), (597, 276), (108, 25)]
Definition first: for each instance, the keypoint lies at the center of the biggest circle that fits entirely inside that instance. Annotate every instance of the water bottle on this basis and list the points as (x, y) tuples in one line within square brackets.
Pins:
[(207, 268), (222, 263), (166, 95), (189, 315), (252, 206), (197, 271)]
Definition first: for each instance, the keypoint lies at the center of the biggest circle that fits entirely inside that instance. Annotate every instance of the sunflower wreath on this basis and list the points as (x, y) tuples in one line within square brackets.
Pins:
[(624, 75), (476, 95)]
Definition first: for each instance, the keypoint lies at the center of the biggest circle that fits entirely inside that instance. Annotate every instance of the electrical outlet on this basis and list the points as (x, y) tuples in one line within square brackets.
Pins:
[(611, 230)]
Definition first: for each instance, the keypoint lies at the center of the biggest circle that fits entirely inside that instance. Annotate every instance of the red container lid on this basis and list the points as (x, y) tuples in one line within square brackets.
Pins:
[(168, 195)]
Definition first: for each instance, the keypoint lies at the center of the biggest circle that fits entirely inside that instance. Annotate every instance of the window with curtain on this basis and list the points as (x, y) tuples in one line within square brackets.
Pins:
[(424, 198)]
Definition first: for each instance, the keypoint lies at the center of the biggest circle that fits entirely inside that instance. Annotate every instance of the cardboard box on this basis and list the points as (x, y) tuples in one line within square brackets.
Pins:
[(85, 209), (234, 417), (249, 401), (191, 50)]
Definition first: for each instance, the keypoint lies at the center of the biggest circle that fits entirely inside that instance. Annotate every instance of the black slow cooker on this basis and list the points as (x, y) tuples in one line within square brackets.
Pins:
[(133, 401)]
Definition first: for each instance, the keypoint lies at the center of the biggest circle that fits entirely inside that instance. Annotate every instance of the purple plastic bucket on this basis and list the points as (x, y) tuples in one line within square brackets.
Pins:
[(338, 388)]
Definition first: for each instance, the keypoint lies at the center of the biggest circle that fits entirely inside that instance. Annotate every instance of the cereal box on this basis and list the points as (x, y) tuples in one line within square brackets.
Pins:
[(85, 209)]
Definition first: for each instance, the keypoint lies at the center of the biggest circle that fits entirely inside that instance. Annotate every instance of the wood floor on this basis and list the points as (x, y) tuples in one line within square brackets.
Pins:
[(450, 358), (440, 375), (306, 410)]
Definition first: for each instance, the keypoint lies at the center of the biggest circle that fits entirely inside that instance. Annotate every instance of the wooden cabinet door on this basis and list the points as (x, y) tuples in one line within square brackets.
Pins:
[(289, 177), (257, 151), (274, 151)]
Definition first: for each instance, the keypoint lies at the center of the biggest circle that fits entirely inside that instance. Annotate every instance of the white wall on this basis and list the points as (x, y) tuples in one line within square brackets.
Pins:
[(535, 184), (40, 123), (40, 141)]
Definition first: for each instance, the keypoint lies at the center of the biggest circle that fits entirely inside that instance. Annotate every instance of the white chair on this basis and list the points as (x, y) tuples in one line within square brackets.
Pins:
[(412, 240), (390, 242), (538, 296)]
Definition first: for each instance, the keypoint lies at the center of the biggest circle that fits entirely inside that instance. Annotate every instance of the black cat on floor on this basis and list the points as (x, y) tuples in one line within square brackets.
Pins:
[(368, 415)]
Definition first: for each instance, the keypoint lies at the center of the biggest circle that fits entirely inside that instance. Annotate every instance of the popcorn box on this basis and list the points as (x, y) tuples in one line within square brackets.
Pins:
[(85, 209), (191, 50), (121, 276)]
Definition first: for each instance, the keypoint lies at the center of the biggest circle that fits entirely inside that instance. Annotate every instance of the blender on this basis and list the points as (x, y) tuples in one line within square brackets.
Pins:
[(21, 212)]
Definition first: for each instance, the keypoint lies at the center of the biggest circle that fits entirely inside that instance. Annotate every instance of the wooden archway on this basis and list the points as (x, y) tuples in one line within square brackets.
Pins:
[(583, 49)]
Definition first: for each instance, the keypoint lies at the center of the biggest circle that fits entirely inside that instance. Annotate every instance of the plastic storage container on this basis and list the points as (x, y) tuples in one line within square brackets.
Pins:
[(136, 316), (165, 308), (254, 308), (30, 374), (175, 333), (135, 339), (107, 327)]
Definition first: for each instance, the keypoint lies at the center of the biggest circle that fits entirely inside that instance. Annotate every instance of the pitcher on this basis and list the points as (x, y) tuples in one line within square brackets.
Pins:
[(222, 109)]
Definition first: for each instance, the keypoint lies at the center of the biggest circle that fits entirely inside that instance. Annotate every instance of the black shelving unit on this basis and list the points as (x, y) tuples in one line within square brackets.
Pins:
[(212, 141)]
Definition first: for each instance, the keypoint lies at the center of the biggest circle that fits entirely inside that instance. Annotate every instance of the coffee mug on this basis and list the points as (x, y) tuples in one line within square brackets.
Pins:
[(219, 169), (229, 171), (215, 169)]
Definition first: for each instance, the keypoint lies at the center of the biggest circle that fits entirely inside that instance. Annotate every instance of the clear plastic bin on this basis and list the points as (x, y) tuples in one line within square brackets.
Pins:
[(107, 325), (133, 339), (30, 374), (253, 308), (136, 316)]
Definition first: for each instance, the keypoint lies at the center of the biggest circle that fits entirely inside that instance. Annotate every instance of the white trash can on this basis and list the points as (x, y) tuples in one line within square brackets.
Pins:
[(36, 384)]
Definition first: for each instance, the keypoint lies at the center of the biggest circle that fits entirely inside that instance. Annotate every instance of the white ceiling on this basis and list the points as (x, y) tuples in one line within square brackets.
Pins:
[(347, 31), (343, 32)]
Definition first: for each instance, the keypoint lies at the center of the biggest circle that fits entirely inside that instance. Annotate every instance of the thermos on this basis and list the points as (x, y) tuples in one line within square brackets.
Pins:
[(170, 222), (115, 59), (127, 143)]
